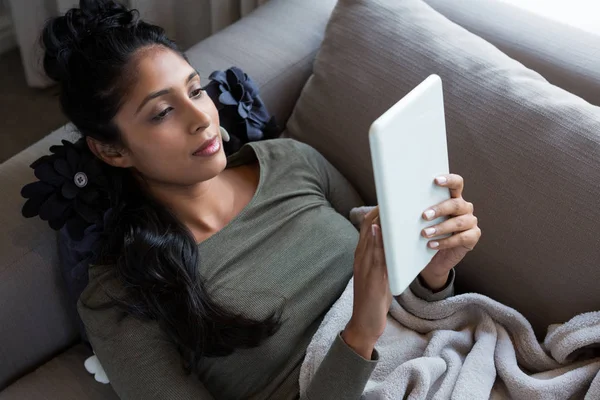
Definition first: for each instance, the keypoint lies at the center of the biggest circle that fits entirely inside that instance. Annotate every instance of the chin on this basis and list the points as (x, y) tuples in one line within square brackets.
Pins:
[(215, 164), (221, 159)]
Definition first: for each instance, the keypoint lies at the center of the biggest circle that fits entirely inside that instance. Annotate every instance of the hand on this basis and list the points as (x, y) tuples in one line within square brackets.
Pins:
[(462, 225), (372, 295)]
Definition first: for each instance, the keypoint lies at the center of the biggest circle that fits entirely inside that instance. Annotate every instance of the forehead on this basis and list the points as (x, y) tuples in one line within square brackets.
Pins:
[(157, 68)]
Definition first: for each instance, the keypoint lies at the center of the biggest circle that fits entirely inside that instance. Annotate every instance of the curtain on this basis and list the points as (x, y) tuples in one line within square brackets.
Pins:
[(186, 21), (7, 36), (225, 12), (189, 21)]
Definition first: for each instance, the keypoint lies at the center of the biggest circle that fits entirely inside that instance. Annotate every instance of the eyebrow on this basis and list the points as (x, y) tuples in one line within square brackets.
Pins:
[(159, 93)]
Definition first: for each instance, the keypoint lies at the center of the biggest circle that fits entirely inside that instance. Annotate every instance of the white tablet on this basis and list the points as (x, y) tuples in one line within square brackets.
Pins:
[(409, 150)]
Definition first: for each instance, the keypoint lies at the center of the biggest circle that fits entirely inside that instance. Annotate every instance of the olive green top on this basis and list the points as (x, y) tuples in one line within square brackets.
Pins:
[(291, 246)]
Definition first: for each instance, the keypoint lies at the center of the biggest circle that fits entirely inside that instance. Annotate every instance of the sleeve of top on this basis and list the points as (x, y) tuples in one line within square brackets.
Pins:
[(337, 189), (343, 373), (139, 360), (420, 290)]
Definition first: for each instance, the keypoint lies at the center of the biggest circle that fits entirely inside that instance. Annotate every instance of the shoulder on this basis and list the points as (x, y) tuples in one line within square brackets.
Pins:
[(288, 149), (288, 159), (99, 294)]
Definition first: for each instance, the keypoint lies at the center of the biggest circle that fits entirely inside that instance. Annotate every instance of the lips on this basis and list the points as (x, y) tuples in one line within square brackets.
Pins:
[(209, 147)]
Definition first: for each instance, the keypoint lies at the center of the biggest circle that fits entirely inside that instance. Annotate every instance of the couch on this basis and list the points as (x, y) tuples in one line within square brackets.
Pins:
[(41, 354)]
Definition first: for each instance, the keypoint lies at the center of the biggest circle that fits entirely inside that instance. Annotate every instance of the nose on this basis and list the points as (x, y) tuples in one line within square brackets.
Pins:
[(199, 119)]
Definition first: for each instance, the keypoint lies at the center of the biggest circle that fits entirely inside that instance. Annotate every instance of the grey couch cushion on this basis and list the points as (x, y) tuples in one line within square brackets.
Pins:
[(528, 150), (36, 320), (565, 55), (64, 378)]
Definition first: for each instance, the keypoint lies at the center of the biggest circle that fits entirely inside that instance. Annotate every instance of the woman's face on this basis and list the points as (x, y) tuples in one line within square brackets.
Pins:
[(169, 126)]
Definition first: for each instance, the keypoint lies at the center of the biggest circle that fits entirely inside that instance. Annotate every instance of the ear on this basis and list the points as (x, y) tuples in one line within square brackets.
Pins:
[(109, 153)]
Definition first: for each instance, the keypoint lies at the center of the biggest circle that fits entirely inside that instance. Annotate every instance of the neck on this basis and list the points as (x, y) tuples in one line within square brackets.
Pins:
[(205, 207)]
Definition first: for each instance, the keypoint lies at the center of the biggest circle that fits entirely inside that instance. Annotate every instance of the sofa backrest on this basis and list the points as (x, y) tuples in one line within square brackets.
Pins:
[(566, 56), (527, 149)]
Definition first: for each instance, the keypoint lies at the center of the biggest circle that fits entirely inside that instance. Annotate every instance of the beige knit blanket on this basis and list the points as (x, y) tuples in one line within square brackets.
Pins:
[(470, 347)]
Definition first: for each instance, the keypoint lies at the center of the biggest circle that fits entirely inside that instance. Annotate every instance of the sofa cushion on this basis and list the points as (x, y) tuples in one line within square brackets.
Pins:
[(36, 319), (565, 55), (64, 377), (529, 151)]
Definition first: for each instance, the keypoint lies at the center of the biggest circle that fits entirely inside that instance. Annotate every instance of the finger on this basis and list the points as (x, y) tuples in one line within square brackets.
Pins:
[(378, 237), (368, 221), (453, 225), (454, 182), (372, 215), (451, 207), (377, 221), (467, 240), (366, 261), (379, 253), (365, 228)]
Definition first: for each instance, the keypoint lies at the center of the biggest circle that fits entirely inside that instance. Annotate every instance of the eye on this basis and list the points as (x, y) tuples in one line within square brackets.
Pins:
[(197, 93), (162, 115)]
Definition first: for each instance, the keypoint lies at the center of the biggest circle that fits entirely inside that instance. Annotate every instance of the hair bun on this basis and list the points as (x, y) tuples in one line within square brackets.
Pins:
[(64, 35), (102, 15)]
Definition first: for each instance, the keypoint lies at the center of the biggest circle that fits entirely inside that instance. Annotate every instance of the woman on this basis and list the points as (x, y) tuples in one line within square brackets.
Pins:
[(216, 272)]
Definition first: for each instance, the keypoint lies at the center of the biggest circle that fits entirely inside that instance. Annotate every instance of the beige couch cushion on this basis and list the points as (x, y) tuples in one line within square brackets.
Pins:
[(64, 378), (529, 151), (565, 55), (36, 319)]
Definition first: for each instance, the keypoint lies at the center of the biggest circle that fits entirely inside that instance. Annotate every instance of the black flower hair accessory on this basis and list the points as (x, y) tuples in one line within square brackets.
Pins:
[(72, 189), (241, 110)]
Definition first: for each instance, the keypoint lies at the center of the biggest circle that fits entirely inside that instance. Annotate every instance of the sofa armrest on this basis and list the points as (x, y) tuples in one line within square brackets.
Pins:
[(276, 45)]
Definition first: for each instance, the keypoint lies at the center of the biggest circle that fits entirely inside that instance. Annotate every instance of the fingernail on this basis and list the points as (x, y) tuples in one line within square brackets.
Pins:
[(434, 245), (429, 231), (374, 230), (441, 180), (429, 214)]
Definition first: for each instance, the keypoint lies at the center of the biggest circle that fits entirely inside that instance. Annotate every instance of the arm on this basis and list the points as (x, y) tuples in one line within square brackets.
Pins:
[(357, 356), (337, 189), (138, 358), (343, 373), (436, 281), (346, 201)]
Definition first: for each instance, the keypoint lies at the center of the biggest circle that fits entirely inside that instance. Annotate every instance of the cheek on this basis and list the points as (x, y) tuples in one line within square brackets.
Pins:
[(158, 142), (153, 148), (166, 157), (213, 112)]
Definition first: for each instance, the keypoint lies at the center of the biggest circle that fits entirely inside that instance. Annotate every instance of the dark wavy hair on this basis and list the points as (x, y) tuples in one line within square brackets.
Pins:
[(89, 51)]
